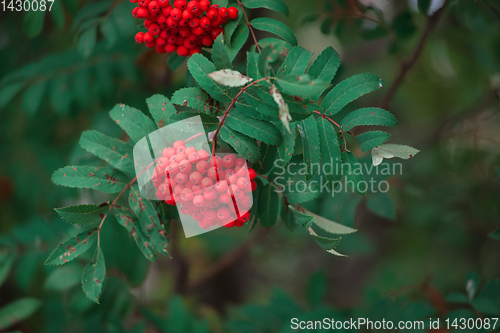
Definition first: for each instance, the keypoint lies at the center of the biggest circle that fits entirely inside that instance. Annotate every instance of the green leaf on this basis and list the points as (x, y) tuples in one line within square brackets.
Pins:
[(127, 219), (266, 160), (486, 306), (296, 62), (144, 209), (110, 32), (84, 215), (391, 150), (72, 247), (330, 150), (456, 297), (259, 130), (372, 139), (267, 108), (301, 218), (230, 78), (287, 146), (332, 228), (94, 275), (265, 58), (161, 109), (276, 5), (308, 131), (368, 116), (300, 191), (316, 288), (200, 67), (33, 97), (87, 41), (221, 3), (275, 27), (115, 152), (301, 85), (269, 206), (353, 175), (104, 179), (326, 243), (325, 66), (57, 12), (230, 27), (135, 123), (349, 90), (220, 57), (297, 107), (9, 92), (33, 23), (495, 234), (381, 204), (242, 144), (61, 94), (239, 38), (63, 278), (197, 99), (17, 311), (253, 65)]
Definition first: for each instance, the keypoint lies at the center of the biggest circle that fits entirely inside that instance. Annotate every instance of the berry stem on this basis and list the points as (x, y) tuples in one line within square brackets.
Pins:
[(223, 120), (257, 46)]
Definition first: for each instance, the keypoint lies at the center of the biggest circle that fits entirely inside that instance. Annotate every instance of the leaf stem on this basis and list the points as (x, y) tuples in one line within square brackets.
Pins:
[(326, 117), (257, 46)]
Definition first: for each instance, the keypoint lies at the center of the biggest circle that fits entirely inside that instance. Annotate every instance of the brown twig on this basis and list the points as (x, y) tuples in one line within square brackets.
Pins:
[(228, 260), (257, 46), (326, 117), (406, 65)]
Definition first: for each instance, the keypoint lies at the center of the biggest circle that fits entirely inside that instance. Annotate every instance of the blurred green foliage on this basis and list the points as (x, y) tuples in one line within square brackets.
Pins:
[(421, 252)]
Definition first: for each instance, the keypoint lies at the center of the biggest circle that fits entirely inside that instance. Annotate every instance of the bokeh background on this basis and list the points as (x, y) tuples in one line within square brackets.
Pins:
[(426, 249)]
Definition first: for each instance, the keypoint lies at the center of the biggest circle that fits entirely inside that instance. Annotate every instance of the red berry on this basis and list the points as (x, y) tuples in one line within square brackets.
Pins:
[(164, 3), (135, 12), (216, 21), (195, 50), (240, 162), (176, 14), (231, 179), (198, 31), (233, 190), (202, 166), (195, 22), (148, 37), (154, 7), (207, 41), (170, 48), (167, 10), (241, 171), (193, 6), (223, 12), (183, 23), (163, 162), (185, 166), (182, 51), (134, 1), (196, 177), (178, 144), (142, 13), (205, 22), (224, 198), (168, 152), (210, 195), (216, 32), (172, 40), (181, 4), (178, 188), (210, 215), (189, 43), (170, 202), (221, 186), (207, 184), (193, 157), (204, 5), (198, 200), (172, 23), (180, 157), (212, 14), (184, 32), (144, 3), (173, 168), (160, 42), (252, 174), (181, 178), (139, 37), (242, 182), (233, 13), (204, 155), (186, 194), (154, 28)]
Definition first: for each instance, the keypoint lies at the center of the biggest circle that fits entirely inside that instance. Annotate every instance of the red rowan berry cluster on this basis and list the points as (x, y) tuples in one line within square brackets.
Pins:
[(211, 189), (185, 27)]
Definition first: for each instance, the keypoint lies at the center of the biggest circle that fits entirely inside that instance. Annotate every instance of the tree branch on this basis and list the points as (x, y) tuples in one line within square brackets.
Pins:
[(406, 65)]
